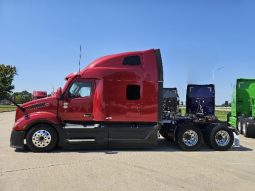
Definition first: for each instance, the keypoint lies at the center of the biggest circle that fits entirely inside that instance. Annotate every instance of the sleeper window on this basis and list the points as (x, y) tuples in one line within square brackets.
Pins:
[(133, 92)]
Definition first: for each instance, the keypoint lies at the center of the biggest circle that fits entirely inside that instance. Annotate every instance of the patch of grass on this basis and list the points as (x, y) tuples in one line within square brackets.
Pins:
[(222, 115), (4, 108), (183, 110)]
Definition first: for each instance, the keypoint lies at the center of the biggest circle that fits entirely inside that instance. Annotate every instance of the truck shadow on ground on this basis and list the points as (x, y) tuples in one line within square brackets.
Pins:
[(163, 146), (170, 146)]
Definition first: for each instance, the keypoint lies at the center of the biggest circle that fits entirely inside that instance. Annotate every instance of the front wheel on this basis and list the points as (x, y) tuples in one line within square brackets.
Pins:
[(189, 137), (244, 129), (221, 138), (41, 138), (248, 130)]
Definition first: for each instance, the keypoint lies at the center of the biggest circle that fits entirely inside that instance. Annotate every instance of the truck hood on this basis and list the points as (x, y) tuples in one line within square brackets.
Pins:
[(43, 104)]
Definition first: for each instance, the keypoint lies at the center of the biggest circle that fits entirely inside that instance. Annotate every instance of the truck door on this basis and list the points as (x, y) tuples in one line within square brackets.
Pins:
[(76, 110)]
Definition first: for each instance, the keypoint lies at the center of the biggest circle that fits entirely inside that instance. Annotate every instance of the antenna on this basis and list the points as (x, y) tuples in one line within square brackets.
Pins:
[(79, 62), (52, 89)]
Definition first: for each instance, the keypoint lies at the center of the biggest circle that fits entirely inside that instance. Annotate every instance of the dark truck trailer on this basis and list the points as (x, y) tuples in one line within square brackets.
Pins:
[(199, 124), (242, 115), (116, 102)]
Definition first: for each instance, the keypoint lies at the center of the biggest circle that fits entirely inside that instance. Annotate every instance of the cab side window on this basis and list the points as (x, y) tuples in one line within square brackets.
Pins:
[(80, 89), (132, 61)]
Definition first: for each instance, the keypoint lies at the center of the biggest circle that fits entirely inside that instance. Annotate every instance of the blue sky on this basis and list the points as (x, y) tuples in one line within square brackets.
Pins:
[(196, 38)]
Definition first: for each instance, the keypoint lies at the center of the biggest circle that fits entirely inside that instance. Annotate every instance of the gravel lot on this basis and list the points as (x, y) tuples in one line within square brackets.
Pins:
[(163, 168)]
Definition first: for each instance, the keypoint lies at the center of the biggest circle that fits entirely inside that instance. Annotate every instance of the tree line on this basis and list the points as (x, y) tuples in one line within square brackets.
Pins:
[(7, 73)]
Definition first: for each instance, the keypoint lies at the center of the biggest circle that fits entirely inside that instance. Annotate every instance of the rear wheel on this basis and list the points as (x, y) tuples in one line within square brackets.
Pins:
[(41, 138), (189, 137), (221, 138), (248, 129)]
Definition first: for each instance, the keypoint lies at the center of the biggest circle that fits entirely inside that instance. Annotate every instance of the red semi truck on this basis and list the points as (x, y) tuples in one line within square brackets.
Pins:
[(116, 101)]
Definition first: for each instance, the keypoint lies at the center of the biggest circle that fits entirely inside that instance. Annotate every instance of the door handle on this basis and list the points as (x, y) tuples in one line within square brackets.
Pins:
[(88, 115), (138, 108)]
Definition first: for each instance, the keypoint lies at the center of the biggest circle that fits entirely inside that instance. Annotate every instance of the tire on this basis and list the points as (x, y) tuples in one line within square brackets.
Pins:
[(221, 138), (189, 137), (239, 126), (41, 138), (248, 130), (244, 128)]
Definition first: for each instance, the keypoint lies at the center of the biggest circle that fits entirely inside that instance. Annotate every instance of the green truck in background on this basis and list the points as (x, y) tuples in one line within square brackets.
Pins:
[(242, 115)]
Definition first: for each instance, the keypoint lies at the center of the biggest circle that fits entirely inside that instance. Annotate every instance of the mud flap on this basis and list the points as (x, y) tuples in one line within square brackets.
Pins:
[(236, 142)]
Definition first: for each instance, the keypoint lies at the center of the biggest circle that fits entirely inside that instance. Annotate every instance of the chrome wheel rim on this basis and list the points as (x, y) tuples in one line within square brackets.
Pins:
[(41, 138), (222, 138), (190, 138), (239, 126), (244, 128)]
